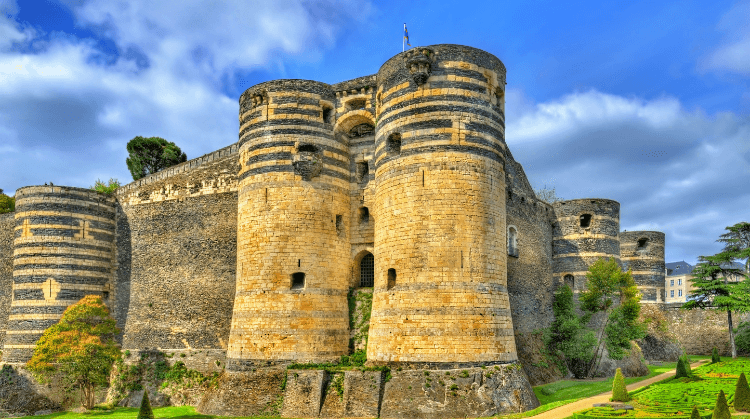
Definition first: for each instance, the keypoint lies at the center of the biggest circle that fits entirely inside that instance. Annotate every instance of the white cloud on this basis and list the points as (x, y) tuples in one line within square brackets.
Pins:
[(734, 53), (671, 169)]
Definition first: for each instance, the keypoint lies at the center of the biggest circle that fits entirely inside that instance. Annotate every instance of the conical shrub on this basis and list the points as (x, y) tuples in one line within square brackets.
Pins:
[(721, 410), (686, 363), (694, 414), (145, 412), (680, 371), (715, 356), (742, 395), (619, 392)]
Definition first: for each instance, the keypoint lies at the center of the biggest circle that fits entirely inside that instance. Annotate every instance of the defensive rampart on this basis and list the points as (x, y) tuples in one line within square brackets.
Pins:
[(7, 225)]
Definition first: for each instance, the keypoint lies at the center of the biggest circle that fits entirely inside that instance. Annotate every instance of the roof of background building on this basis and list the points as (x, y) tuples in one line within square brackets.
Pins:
[(678, 268)]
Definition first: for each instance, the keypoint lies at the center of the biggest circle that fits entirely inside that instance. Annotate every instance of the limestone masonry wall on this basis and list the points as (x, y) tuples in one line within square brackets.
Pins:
[(7, 224), (177, 257), (643, 252)]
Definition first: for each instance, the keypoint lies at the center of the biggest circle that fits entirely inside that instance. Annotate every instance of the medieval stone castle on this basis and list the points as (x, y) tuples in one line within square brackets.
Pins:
[(401, 181)]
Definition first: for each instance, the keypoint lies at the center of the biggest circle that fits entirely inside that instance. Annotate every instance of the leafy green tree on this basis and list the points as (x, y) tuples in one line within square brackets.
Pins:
[(106, 188), (742, 340), (145, 411), (737, 243), (7, 203), (547, 195), (152, 154), (606, 283), (619, 391), (568, 338), (721, 410), (79, 350), (742, 395), (714, 290)]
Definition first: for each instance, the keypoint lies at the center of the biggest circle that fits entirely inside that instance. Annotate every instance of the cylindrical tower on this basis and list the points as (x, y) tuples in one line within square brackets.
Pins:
[(586, 230), (440, 292), (643, 252), (64, 249), (293, 200)]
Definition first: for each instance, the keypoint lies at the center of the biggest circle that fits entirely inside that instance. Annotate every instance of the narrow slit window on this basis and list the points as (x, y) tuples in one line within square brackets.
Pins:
[(391, 278), (364, 215), (642, 243), (585, 220), (327, 113), (512, 241), (339, 224), (363, 171), (393, 145), (367, 271), (298, 280), (570, 281)]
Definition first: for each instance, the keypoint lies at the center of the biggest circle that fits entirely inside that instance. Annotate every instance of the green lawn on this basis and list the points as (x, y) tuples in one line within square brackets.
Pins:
[(175, 412)]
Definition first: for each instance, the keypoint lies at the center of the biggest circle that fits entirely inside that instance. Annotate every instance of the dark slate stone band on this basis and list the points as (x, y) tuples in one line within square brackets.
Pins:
[(471, 150), (96, 199), (458, 104), (64, 255), (62, 279), (63, 244), (83, 209)]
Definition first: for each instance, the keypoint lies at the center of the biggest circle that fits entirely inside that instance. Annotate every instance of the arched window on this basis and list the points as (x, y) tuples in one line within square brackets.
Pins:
[(367, 271), (512, 241), (364, 215), (570, 281)]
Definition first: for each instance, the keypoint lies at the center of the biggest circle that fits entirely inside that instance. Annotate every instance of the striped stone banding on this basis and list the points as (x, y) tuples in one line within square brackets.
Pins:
[(572, 264), (445, 104), (61, 267), (66, 198), (287, 155), (448, 327), (20, 280), (43, 309), (437, 140), (52, 258), (31, 324), (463, 149), (425, 313)]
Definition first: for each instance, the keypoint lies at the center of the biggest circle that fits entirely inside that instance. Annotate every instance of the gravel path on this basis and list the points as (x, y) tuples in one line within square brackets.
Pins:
[(568, 409)]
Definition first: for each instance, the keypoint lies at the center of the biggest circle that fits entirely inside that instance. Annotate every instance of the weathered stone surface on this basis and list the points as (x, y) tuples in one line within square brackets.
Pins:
[(7, 224), (246, 393), (21, 394), (467, 392), (362, 393), (633, 365), (304, 394)]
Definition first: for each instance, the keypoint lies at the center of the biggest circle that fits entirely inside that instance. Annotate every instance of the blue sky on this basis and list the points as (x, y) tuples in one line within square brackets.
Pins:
[(644, 102)]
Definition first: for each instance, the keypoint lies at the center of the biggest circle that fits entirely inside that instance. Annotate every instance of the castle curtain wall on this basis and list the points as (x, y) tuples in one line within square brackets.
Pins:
[(177, 253), (7, 224), (643, 252)]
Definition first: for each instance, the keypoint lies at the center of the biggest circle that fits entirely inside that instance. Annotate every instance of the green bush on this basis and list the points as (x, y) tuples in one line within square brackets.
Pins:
[(619, 392), (742, 395), (7, 203), (568, 339), (106, 188), (683, 368), (741, 339), (715, 356), (145, 412), (695, 414), (721, 411)]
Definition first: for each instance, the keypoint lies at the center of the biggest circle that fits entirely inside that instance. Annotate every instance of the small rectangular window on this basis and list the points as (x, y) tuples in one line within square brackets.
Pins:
[(679, 293), (679, 281), (671, 282), (671, 293)]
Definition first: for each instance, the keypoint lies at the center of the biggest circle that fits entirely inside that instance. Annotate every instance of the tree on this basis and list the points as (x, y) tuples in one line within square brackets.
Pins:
[(619, 391), (106, 188), (714, 290), (715, 356), (547, 195), (683, 368), (694, 414), (605, 282), (567, 338), (152, 154), (79, 350), (7, 203), (737, 242)]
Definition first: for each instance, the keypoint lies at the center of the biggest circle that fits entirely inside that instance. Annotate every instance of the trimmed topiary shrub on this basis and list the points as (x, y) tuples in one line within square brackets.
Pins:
[(715, 356), (721, 411), (146, 412), (695, 414), (681, 371), (742, 395), (619, 392)]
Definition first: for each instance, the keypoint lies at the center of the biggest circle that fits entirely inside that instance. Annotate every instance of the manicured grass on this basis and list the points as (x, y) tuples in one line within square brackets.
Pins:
[(174, 412), (568, 391)]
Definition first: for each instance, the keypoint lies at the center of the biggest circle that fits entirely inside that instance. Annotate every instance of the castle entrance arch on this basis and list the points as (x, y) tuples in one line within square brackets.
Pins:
[(367, 271)]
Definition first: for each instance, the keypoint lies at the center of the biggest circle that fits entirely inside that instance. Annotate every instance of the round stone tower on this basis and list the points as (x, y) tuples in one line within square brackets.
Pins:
[(586, 230), (440, 294), (290, 301), (643, 252), (63, 250)]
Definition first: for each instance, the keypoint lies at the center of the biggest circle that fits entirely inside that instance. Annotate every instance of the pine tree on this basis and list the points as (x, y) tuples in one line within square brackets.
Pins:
[(680, 370), (742, 395), (150, 155), (694, 414), (619, 391), (715, 356), (721, 410), (145, 412)]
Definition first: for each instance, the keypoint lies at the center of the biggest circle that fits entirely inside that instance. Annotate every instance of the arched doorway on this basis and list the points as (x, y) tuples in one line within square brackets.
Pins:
[(367, 271)]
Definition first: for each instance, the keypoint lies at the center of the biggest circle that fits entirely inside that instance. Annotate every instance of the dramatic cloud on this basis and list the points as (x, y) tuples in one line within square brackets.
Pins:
[(734, 53), (677, 171), (67, 106)]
